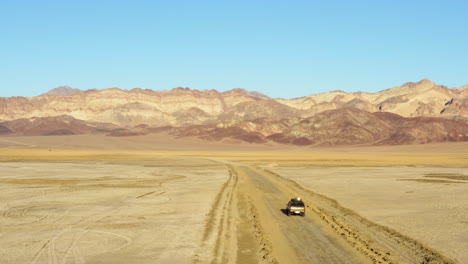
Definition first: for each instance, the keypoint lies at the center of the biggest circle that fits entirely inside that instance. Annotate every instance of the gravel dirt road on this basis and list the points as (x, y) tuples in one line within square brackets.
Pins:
[(328, 234)]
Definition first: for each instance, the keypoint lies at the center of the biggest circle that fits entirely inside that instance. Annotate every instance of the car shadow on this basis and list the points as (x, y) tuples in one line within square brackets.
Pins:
[(285, 211)]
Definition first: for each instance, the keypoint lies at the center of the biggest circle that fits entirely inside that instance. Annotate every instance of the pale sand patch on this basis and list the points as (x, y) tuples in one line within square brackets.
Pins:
[(435, 213), (96, 212)]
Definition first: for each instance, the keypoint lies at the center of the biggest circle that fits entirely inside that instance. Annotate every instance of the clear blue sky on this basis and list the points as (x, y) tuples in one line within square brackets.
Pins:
[(281, 48)]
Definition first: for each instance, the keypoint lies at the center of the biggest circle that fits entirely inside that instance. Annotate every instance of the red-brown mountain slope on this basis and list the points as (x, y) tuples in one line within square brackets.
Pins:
[(347, 126)]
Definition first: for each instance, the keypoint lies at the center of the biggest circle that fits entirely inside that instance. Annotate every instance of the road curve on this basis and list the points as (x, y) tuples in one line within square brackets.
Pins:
[(247, 225)]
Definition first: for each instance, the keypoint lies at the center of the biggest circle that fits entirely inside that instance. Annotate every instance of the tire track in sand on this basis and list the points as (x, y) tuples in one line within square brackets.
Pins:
[(219, 241), (233, 231), (81, 227)]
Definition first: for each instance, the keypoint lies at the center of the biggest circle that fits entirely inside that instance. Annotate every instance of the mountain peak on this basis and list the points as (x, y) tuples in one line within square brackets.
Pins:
[(423, 82), (426, 81), (251, 93), (63, 91)]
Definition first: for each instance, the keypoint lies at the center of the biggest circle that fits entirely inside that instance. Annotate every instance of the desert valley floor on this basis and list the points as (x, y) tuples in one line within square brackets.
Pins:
[(65, 204)]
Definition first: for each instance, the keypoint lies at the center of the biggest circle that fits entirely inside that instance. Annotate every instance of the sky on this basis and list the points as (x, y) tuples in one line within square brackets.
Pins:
[(284, 49)]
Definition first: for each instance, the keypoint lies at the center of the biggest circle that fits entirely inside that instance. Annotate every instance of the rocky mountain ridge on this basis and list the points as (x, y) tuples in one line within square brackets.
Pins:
[(413, 113), (347, 126), (186, 107)]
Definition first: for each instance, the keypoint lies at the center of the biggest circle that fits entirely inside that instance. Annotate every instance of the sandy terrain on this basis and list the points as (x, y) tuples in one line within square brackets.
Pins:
[(93, 212), (143, 206), (162, 141), (425, 203)]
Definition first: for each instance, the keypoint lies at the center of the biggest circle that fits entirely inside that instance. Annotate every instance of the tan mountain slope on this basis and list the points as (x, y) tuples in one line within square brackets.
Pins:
[(186, 107), (128, 107), (423, 98), (267, 108), (59, 125)]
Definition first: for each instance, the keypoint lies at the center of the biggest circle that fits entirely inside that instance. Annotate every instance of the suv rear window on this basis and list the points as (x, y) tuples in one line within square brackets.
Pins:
[(297, 203)]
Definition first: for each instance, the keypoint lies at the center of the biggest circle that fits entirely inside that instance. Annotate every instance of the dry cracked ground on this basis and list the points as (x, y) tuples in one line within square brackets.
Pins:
[(227, 207)]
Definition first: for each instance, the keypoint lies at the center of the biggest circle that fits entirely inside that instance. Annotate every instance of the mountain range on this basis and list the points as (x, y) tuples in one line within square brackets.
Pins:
[(412, 113)]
